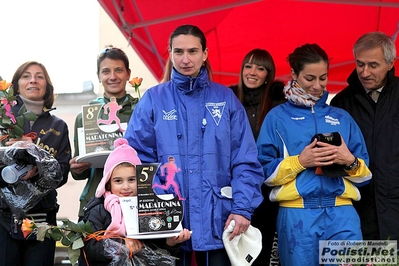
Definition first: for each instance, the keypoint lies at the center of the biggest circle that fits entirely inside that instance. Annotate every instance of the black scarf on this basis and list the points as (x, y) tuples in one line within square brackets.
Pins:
[(252, 96)]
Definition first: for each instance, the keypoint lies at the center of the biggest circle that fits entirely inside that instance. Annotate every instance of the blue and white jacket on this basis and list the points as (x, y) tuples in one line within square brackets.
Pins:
[(285, 132), (205, 128)]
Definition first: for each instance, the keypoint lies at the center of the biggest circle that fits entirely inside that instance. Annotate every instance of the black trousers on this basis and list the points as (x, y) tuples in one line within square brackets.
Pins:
[(217, 257), (25, 252)]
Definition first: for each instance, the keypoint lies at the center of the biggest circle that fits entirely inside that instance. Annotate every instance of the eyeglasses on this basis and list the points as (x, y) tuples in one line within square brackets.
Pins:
[(111, 49)]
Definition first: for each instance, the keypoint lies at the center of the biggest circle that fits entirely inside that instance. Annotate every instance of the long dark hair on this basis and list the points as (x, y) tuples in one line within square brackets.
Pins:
[(263, 58)]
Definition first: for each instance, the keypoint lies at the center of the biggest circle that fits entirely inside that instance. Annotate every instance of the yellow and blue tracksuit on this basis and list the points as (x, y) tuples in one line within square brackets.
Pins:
[(313, 206)]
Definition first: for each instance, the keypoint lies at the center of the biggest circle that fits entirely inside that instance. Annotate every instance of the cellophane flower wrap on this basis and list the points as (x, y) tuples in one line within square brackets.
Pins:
[(149, 255), (25, 194)]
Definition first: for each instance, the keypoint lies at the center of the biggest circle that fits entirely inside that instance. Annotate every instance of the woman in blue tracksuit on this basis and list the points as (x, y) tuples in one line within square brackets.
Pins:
[(313, 206), (205, 128)]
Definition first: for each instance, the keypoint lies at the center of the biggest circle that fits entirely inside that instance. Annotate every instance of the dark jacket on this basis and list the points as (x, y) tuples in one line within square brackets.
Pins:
[(100, 219), (379, 207), (52, 136), (252, 102)]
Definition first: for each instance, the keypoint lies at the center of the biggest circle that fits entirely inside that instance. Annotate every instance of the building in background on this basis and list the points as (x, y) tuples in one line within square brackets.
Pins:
[(69, 104)]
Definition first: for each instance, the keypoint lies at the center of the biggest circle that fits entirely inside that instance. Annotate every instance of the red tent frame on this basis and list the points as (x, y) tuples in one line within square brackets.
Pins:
[(233, 27)]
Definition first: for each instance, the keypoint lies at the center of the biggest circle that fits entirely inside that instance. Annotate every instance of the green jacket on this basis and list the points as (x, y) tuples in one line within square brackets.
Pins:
[(94, 175)]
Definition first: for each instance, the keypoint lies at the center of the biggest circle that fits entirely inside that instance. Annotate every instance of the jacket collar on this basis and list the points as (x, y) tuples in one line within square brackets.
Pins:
[(126, 101), (186, 83), (353, 80)]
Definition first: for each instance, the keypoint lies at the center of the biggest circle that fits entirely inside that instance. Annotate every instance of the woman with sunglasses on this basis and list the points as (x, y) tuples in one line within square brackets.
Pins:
[(113, 73)]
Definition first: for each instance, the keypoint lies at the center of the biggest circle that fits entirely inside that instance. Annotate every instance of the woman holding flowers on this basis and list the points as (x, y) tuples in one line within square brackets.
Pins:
[(113, 73), (34, 91)]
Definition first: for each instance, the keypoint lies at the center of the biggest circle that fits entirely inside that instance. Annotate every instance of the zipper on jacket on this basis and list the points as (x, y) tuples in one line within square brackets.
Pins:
[(314, 118), (179, 134), (191, 84), (321, 192), (204, 122), (203, 125), (320, 178), (15, 224)]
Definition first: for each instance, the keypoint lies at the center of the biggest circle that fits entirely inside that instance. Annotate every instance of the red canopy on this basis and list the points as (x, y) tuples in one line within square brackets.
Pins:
[(234, 27)]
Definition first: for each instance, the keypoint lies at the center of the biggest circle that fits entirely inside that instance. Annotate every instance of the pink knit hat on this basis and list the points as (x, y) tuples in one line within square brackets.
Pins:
[(122, 153)]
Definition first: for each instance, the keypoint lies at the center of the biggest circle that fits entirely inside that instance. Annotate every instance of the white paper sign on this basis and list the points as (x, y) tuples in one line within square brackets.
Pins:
[(130, 214)]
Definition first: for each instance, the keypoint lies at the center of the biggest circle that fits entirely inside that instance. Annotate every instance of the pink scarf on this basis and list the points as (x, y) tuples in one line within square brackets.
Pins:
[(113, 206)]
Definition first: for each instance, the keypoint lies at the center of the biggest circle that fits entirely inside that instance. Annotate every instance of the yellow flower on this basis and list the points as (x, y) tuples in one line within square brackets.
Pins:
[(4, 85), (27, 227), (136, 82)]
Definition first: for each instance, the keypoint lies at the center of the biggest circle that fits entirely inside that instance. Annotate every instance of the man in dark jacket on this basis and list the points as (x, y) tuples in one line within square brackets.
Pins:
[(378, 119)]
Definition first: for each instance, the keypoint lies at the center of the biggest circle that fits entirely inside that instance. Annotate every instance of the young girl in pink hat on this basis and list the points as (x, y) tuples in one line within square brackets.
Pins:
[(104, 211)]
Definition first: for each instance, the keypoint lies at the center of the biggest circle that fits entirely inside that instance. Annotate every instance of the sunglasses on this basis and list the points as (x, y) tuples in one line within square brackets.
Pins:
[(111, 49)]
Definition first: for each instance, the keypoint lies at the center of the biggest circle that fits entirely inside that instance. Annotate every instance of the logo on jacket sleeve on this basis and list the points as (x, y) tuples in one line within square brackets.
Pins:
[(171, 115), (216, 110), (331, 120)]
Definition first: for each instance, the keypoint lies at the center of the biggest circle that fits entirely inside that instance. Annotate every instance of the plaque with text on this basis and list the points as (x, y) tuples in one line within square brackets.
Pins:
[(157, 215)]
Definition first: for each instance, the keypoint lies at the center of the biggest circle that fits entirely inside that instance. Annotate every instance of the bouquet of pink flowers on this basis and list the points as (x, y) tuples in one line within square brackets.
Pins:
[(12, 123)]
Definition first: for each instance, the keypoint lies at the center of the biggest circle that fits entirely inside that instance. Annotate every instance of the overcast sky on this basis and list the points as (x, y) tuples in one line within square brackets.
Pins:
[(63, 35)]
